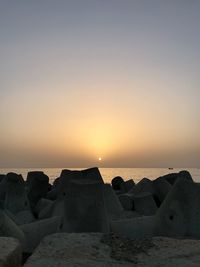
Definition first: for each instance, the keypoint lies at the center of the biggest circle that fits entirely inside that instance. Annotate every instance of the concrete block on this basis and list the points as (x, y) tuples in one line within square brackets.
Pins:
[(85, 208), (112, 203), (37, 186), (126, 201), (162, 188), (129, 184), (179, 214), (118, 184), (9, 228), (34, 232), (68, 176), (74, 250), (10, 252), (42, 204), (16, 199), (21, 217), (144, 204), (145, 185)]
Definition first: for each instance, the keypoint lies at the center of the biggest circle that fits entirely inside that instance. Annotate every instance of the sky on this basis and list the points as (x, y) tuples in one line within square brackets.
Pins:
[(83, 79)]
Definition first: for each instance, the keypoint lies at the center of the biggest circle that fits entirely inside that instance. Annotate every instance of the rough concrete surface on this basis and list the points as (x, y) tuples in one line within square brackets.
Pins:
[(10, 252), (74, 250), (98, 250), (169, 252)]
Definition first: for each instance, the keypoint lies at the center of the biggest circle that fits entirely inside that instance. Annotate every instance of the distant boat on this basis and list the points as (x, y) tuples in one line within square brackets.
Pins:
[(170, 168)]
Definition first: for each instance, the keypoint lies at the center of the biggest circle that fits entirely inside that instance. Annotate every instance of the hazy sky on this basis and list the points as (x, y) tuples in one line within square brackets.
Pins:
[(117, 79)]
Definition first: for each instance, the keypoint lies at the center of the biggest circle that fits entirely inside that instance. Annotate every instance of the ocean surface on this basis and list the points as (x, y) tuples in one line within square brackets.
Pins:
[(108, 173)]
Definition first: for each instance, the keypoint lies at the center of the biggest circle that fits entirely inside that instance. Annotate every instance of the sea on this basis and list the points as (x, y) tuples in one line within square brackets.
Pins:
[(109, 173)]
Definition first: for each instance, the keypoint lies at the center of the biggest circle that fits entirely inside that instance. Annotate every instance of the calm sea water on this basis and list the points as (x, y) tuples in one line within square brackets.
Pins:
[(108, 173)]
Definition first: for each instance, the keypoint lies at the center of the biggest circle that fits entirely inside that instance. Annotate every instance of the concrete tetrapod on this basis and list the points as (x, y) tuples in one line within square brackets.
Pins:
[(34, 232), (144, 185), (126, 201), (3, 187), (16, 200), (74, 250), (10, 252), (112, 203), (179, 214), (129, 184), (172, 177), (56, 208), (66, 176), (2, 176), (37, 186), (21, 217), (9, 228), (42, 204), (93, 175), (145, 204), (118, 185), (84, 209), (162, 188)]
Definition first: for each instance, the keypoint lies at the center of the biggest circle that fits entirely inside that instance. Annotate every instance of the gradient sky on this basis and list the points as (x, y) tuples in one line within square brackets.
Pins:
[(117, 79)]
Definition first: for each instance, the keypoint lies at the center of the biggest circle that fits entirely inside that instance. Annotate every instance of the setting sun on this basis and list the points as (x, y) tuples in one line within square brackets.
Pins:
[(99, 158)]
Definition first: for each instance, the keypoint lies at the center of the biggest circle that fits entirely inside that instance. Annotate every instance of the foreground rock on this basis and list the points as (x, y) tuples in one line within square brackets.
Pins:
[(98, 250), (179, 215), (168, 252), (74, 250), (10, 252)]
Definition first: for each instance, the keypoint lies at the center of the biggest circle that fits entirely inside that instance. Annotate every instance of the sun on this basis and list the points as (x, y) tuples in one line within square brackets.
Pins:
[(99, 158)]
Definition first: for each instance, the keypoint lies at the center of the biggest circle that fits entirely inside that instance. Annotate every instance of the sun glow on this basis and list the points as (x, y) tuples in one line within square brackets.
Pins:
[(99, 158)]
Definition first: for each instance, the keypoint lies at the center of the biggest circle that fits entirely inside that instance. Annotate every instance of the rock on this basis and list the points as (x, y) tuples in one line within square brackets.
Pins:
[(129, 184), (145, 204), (172, 177), (55, 182), (56, 209), (144, 186), (10, 252), (48, 211), (2, 176), (34, 232), (112, 203), (16, 199), (170, 252), (185, 175), (136, 228), (162, 188), (42, 204), (84, 208), (37, 186), (95, 250), (52, 194), (179, 214), (118, 184), (74, 250), (126, 201), (93, 175), (9, 177), (2, 187), (9, 228), (22, 217), (67, 176)]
